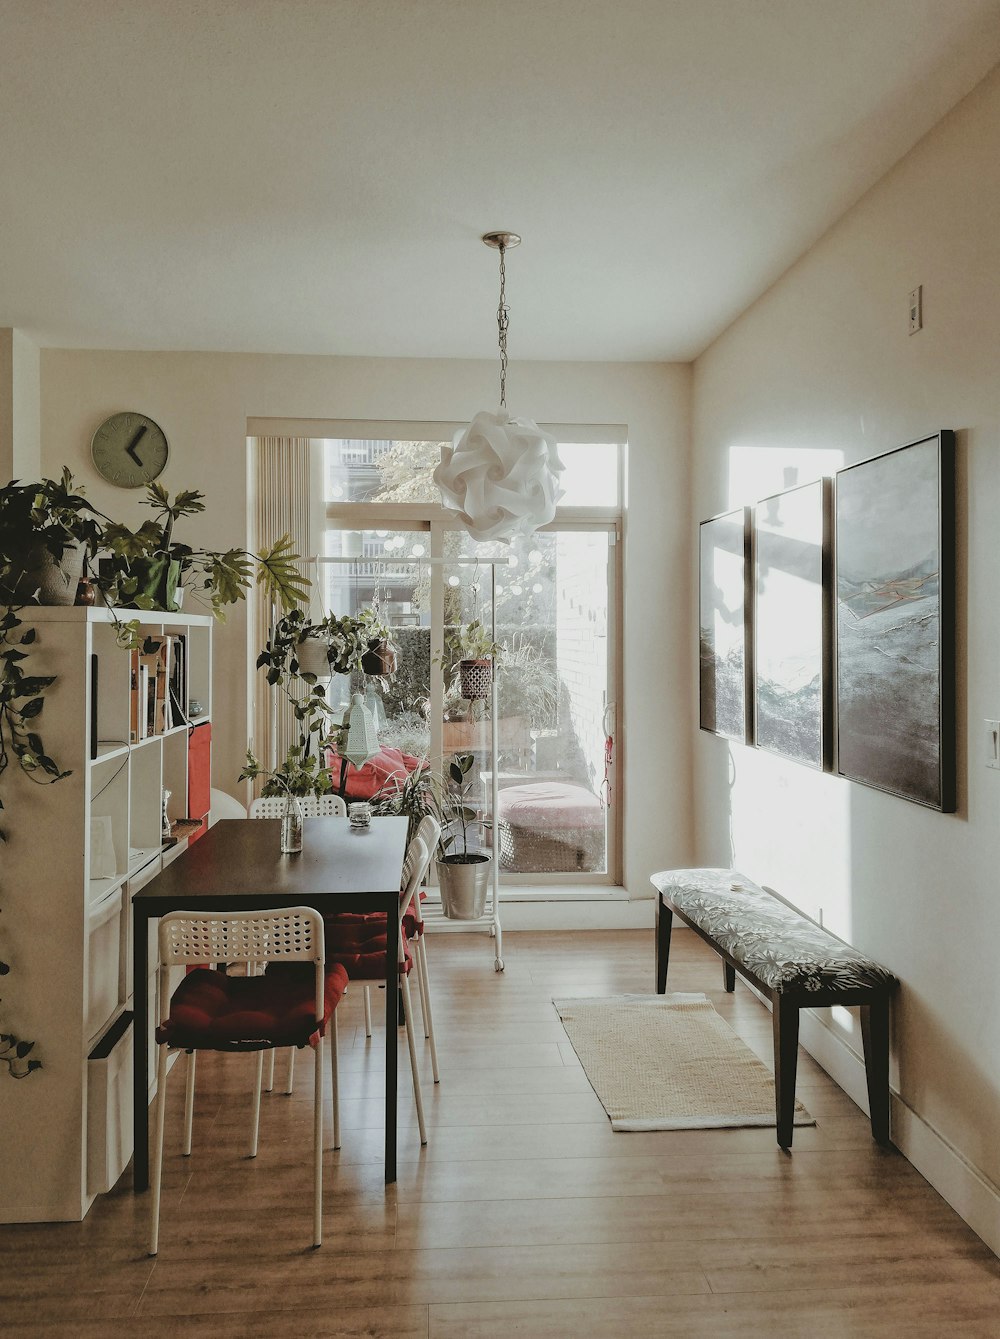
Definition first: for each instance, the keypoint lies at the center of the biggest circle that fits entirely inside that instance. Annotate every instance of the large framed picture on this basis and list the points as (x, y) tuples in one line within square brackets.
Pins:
[(792, 632), (895, 586), (724, 601)]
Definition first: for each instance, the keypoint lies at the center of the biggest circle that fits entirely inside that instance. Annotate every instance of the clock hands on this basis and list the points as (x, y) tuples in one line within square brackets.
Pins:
[(130, 449)]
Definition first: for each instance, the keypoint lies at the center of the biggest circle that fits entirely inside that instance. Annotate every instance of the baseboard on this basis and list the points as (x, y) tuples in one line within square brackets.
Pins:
[(563, 913), (968, 1190)]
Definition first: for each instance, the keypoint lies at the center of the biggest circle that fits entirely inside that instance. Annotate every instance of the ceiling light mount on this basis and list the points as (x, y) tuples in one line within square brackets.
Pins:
[(502, 240)]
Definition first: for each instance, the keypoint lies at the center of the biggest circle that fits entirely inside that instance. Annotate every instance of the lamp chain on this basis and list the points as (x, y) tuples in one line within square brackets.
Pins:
[(503, 318)]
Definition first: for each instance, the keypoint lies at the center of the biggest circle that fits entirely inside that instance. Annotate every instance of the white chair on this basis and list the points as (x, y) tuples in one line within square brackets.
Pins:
[(313, 806), (358, 942), (428, 830), (255, 1012)]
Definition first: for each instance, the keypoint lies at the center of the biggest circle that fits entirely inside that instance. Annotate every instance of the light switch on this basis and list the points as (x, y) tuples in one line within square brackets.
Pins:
[(992, 744)]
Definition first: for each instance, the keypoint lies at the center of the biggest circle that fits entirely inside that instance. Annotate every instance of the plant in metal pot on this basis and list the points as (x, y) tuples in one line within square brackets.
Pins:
[(148, 566), (463, 874)]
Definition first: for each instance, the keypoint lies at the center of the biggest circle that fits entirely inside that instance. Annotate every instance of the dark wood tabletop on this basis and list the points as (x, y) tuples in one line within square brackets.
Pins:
[(239, 859)]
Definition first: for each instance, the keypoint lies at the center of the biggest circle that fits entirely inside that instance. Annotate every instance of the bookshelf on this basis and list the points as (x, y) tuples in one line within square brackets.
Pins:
[(76, 852)]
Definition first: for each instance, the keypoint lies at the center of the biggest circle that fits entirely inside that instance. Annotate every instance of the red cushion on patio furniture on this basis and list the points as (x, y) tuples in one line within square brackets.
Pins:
[(550, 806), (360, 947), (388, 766), (212, 1011)]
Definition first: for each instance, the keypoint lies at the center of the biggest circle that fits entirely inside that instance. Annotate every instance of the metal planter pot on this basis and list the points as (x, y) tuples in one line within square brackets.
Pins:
[(464, 887)]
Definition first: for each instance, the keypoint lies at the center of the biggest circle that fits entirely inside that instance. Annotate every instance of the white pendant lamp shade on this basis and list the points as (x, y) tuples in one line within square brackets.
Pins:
[(362, 736), (501, 474)]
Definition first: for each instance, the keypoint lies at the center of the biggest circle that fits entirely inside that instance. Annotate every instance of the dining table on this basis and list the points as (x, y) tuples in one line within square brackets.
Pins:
[(238, 865)]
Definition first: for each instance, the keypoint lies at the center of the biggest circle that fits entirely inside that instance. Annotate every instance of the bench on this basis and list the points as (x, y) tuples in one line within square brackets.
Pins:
[(792, 960)]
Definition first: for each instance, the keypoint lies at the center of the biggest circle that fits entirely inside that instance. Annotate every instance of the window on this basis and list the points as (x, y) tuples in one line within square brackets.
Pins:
[(553, 599)]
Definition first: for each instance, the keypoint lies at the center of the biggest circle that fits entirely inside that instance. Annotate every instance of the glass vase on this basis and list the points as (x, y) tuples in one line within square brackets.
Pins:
[(291, 826)]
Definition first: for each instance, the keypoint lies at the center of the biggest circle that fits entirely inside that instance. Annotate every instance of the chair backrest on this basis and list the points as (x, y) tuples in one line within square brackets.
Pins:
[(429, 830), (414, 865), (313, 806), (286, 934)]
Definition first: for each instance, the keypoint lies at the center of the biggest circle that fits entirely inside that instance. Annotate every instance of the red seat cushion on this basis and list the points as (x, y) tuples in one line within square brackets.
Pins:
[(413, 921), (360, 947), (212, 1011)]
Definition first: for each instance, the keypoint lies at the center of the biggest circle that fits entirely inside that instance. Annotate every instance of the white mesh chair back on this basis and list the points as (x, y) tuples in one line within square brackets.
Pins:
[(293, 934), (313, 806)]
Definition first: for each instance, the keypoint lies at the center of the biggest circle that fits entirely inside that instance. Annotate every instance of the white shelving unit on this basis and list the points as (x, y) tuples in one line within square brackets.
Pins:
[(67, 935)]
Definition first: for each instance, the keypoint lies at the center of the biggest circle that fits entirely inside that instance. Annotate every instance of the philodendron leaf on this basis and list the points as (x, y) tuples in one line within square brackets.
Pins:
[(278, 575)]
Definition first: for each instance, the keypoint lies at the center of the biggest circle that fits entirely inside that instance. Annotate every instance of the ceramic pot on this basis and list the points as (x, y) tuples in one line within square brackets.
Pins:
[(158, 578), (54, 581), (379, 659)]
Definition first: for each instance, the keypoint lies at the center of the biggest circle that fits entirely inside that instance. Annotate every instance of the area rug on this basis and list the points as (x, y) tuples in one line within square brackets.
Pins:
[(669, 1062)]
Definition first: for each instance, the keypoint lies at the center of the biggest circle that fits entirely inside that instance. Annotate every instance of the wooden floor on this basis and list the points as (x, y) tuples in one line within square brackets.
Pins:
[(525, 1214)]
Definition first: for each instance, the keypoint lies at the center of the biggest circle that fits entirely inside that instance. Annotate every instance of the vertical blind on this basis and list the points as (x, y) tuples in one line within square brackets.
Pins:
[(281, 490)]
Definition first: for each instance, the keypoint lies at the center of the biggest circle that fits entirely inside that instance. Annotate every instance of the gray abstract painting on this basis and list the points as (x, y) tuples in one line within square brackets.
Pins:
[(722, 618), (895, 696), (790, 545)]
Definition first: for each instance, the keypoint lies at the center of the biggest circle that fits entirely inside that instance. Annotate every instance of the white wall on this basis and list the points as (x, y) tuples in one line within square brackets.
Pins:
[(822, 368), (203, 401)]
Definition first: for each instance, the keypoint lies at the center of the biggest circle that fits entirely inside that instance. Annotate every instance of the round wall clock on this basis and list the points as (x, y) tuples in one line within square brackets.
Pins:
[(129, 449)]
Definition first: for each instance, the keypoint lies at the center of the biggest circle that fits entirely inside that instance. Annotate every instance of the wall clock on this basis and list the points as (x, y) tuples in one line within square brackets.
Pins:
[(129, 449)]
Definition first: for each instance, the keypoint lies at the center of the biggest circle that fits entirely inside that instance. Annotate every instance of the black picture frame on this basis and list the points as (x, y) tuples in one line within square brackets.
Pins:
[(725, 605), (895, 622), (792, 624)]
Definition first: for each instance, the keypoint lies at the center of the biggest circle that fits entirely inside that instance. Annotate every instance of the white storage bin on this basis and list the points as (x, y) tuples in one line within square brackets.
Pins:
[(109, 1107), (105, 939)]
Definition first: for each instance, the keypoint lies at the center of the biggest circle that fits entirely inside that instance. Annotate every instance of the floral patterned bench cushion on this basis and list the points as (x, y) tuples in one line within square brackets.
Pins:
[(779, 946)]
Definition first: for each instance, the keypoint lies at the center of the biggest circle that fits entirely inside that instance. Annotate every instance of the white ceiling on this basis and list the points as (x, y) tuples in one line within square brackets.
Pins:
[(312, 176)]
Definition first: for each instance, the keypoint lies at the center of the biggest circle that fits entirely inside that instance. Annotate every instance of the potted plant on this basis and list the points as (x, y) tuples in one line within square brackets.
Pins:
[(379, 656), (463, 875), (47, 531), (299, 775), (148, 566)]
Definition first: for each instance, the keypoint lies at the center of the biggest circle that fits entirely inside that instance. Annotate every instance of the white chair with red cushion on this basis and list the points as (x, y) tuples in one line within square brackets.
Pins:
[(211, 1011), (428, 830), (358, 943)]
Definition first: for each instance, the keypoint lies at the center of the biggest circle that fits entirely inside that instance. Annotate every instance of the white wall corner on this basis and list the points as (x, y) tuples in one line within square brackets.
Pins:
[(20, 407)]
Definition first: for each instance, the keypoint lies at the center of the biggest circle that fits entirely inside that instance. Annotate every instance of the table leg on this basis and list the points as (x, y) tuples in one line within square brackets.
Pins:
[(140, 1087), (391, 1038)]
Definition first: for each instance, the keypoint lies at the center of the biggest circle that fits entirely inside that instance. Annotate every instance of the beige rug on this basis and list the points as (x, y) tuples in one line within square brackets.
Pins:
[(669, 1062)]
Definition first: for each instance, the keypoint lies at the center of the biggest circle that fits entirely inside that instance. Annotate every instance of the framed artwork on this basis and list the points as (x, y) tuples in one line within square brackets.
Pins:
[(724, 601), (895, 597), (792, 632)]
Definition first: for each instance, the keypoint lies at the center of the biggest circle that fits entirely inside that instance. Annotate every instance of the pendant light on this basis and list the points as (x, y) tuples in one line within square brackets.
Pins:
[(500, 474), (362, 735)]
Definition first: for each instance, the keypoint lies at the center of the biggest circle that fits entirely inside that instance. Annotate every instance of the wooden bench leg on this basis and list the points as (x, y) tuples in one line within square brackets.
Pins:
[(785, 1024), (875, 1037), (664, 920), (729, 973)]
